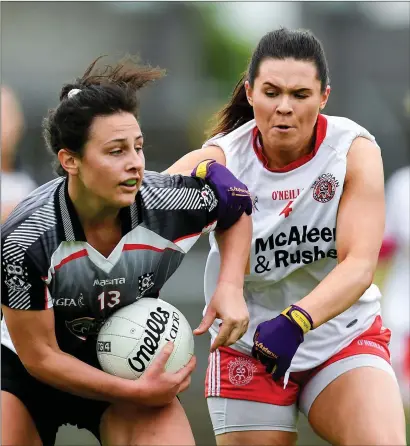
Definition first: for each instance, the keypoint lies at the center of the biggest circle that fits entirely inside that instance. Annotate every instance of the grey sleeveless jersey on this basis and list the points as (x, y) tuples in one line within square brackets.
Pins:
[(47, 262)]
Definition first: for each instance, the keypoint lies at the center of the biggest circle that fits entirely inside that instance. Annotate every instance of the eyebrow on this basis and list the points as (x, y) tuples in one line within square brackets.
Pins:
[(123, 139), (293, 89)]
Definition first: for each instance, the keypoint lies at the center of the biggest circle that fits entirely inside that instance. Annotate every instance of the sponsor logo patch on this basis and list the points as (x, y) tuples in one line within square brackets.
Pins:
[(103, 282), (84, 326)]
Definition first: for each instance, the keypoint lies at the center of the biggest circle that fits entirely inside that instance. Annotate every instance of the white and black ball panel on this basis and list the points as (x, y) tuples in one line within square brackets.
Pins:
[(133, 336)]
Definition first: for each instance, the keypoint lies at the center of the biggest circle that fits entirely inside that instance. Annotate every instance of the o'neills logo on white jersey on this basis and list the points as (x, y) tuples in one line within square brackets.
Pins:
[(287, 194), (296, 235)]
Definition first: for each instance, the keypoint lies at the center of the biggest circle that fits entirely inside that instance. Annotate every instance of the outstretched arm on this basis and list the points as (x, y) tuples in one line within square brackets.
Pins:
[(360, 227), (234, 239), (359, 233), (227, 303)]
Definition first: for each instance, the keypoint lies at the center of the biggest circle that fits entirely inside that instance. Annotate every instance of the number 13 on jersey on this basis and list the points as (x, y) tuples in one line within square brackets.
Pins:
[(109, 298)]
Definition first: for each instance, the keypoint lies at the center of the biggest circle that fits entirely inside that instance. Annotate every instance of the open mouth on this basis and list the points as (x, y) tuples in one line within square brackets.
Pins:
[(129, 183), (283, 127)]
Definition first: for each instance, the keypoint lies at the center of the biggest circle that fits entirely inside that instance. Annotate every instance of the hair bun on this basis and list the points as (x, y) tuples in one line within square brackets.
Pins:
[(73, 92), (64, 94)]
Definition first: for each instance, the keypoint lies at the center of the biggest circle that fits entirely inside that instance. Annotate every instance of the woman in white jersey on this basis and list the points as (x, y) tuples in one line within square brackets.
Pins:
[(315, 340), (396, 287)]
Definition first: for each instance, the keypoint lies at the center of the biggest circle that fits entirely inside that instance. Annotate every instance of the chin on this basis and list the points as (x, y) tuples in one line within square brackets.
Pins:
[(125, 200)]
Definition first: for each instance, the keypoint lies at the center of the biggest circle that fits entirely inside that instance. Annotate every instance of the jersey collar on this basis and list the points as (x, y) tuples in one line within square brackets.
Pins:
[(69, 223), (320, 134)]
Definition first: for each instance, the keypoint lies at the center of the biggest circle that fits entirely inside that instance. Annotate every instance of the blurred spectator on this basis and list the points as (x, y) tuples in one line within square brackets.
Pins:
[(396, 300), (396, 249), (15, 185)]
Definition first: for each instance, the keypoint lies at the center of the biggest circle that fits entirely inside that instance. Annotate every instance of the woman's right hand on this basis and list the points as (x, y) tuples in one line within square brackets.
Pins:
[(157, 387)]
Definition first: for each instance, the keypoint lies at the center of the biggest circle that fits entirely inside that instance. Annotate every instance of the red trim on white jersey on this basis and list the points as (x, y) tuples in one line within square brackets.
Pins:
[(197, 234), (74, 256), (321, 128), (136, 246), (205, 230)]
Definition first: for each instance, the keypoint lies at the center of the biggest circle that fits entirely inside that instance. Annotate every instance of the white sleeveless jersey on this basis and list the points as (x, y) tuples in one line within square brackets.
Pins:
[(294, 232)]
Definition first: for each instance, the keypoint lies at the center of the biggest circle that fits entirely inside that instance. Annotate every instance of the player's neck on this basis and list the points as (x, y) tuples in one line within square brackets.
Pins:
[(7, 163), (90, 209), (279, 157)]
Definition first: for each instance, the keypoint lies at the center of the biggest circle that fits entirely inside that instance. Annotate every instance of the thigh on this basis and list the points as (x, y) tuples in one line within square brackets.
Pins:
[(257, 438), (17, 425), (252, 423), (84, 413), (129, 424), (361, 406), (27, 401), (245, 405)]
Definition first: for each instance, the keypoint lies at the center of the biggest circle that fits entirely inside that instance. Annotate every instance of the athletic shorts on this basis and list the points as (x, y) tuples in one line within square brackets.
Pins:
[(242, 396), (49, 408)]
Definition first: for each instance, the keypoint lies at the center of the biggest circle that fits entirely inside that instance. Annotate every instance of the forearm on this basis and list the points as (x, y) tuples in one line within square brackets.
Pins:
[(67, 373), (340, 289), (234, 247)]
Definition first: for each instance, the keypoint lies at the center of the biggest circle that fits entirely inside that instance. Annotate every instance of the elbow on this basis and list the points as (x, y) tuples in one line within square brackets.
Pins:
[(366, 279), (363, 271), (37, 364)]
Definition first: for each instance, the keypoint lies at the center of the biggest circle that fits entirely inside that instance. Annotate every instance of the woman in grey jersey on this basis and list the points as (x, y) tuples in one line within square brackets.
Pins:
[(93, 240), (316, 341)]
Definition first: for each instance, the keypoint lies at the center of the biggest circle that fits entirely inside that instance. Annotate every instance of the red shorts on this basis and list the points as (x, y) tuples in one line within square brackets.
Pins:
[(232, 374)]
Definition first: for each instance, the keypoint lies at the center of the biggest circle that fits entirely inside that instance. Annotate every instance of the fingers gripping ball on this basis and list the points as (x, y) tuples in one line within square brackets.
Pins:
[(233, 196), (133, 336)]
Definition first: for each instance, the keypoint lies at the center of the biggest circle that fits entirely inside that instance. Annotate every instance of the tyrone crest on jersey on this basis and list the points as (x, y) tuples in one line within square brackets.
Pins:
[(324, 188)]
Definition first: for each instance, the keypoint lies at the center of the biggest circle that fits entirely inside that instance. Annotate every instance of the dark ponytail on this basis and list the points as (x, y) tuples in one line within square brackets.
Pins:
[(236, 112)]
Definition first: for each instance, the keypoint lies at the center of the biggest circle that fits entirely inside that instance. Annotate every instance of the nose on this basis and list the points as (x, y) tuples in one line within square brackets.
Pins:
[(284, 107), (135, 160)]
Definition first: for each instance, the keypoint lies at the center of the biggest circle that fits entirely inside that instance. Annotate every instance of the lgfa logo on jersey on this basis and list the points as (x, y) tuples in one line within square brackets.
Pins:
[(69, 302), (324, 188)]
